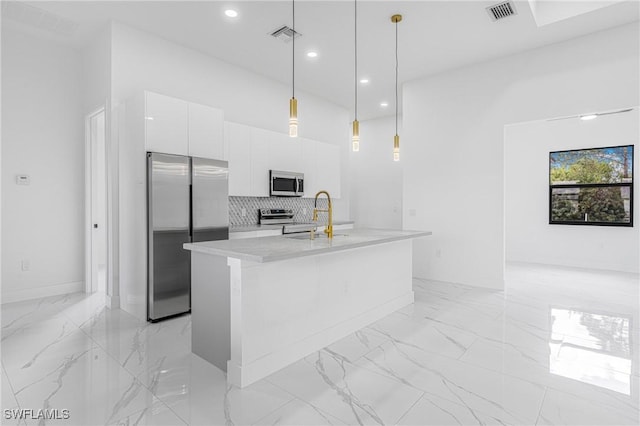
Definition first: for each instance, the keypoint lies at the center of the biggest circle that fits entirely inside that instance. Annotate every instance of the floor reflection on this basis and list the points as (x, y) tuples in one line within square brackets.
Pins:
[(592, 348)]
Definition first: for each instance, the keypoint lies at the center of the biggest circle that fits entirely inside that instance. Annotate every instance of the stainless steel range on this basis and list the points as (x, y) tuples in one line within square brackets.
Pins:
[(275, 216), (284, 217)]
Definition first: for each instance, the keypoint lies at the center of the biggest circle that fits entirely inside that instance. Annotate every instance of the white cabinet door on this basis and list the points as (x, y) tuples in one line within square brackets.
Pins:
[(328, 168), (206, 132), (238, 138), (260, 160), (308, 166), (166, 124), (285, 153)]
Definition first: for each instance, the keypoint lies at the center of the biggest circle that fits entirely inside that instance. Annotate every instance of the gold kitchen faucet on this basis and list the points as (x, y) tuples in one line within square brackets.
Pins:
[(329, 228)]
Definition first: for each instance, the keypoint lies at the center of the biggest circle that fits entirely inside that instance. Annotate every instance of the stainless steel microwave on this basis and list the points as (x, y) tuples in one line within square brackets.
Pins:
[(286, 184)]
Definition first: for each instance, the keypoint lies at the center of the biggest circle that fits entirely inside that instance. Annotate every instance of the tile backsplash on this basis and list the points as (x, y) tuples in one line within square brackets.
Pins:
[(253, 204)]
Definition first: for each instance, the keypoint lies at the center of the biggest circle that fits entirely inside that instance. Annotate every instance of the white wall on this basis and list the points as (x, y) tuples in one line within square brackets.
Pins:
[(42, 136), (528, 235), (96, 71), (376, 180), (453, 141)]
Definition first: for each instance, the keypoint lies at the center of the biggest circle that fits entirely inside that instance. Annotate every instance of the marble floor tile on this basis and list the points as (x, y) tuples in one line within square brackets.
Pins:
[(141, 347), (29, 356), (203, 397), (434, 337), (337, 387), (85, 310), (296, 413), (561, 408), (156, 414), (88, 383), (508, 398), (8, 396), (431, 410), (30, 312), (448, 290), (557, 346), (358, 344)]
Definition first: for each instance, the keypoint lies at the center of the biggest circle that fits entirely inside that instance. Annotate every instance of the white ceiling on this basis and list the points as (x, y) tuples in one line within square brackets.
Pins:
[(434, 36)]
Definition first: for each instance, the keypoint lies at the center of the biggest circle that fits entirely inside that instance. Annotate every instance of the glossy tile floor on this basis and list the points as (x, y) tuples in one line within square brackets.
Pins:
[(558, 346)]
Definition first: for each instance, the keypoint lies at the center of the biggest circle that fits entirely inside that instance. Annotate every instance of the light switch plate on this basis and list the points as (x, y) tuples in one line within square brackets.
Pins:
[(23, 180)]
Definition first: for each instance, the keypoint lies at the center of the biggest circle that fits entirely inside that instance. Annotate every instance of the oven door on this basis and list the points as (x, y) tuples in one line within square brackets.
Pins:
[(286, 184)]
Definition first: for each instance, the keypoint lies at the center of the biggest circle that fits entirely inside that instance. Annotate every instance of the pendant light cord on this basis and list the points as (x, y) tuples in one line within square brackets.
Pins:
[(355, 38), (396, 78), (293, 51)]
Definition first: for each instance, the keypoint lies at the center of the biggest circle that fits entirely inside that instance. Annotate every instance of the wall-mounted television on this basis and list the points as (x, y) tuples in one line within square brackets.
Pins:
[(591, 186)]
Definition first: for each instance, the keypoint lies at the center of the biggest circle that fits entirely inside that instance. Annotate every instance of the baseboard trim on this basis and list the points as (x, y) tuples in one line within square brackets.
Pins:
[(39, 292)]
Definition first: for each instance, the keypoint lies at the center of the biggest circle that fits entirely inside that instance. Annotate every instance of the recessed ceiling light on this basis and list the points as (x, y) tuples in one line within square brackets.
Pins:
[(588, 117), (364, 80), (312, 54), (384, 104), (231, 13)]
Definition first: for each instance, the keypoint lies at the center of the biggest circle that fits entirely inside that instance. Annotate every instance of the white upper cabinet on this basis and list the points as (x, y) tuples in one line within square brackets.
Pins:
[(175, 126), (166, 126), (206, 132), (285, 153), (253, 152), (260, 160), (238, 140)]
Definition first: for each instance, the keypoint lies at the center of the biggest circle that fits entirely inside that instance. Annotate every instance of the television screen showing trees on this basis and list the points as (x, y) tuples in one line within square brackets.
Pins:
[(591, 186)]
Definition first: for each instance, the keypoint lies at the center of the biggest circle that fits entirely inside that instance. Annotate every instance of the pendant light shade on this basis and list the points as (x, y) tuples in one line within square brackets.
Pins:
[(355, 138), (293, 117), (293, 102), (396, 139), (396, 148)]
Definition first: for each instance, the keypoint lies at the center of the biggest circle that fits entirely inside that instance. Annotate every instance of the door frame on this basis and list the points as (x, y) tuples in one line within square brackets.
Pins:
[(88, 222)]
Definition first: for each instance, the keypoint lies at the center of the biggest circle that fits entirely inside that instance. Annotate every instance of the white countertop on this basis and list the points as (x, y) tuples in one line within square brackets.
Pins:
[(271, 249), (258, 227)]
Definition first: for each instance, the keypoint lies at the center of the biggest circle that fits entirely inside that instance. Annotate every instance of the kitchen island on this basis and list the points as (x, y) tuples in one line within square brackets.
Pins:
[(260, 304)]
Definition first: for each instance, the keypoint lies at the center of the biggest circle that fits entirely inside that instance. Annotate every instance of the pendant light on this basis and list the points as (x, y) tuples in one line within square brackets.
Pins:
[(293, 102), (396, 139), (355, 139)]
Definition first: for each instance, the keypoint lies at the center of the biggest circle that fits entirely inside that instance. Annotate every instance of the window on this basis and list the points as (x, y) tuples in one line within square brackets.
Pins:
[(591, 186)]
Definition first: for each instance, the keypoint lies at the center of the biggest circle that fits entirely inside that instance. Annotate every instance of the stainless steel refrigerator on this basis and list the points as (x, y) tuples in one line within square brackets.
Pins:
[(187, 201)]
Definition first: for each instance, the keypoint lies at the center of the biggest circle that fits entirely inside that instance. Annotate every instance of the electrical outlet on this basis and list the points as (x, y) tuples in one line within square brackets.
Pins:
[(438, 252), (25, 265), (304, 212), (243, 212)]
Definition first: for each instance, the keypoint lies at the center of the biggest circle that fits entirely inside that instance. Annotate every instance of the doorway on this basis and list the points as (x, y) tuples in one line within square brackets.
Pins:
[(96, 203)]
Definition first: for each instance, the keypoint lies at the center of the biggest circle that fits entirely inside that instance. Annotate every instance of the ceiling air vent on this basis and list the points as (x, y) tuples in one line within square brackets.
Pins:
[(38, 18), (501, 10), (285, 34)]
